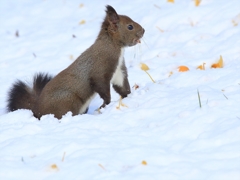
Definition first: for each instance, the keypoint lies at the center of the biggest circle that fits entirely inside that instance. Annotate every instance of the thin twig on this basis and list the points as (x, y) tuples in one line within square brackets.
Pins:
[(199, 99), (63, 156), (225, 96)]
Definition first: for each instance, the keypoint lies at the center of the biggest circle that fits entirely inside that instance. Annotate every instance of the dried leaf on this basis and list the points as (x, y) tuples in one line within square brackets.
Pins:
[(171, 73), (82, 22), (171, 1), (197, 2), (236, 20), (234, 23), (144, 163), (54, 167), (81, 5), (183, 68), (144, 67), (219, 64), (201, 67), (135, 86), (71, 57)]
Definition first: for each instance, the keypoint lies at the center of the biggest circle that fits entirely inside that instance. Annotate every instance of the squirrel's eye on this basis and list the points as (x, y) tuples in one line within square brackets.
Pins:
[(130, 27)]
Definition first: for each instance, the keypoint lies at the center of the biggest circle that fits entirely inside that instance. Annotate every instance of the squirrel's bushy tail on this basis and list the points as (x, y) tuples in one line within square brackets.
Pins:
[(21, 96)]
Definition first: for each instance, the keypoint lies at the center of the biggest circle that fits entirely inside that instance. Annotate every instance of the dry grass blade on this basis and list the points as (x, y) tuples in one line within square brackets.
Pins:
[(63, 156), (101, 166), (157, 6), (199, 99), (162, 31), (150, 76), (225, 96)]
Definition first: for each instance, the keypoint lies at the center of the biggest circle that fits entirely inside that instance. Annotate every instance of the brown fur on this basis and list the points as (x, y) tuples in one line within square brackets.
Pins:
[(92, 71)]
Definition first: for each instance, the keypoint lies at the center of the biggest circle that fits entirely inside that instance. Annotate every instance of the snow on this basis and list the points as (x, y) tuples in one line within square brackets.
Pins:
[(162, 133)]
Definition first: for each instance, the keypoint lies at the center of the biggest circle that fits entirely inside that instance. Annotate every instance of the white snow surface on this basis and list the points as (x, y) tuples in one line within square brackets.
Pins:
[(162, 133)]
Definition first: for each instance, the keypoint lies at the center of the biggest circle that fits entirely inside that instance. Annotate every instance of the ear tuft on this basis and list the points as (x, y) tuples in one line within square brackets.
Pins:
[(112, 15)]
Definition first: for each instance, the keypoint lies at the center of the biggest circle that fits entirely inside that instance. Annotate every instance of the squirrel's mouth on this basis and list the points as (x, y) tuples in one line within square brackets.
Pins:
[(139, 35), (135, 41), (137, 38)]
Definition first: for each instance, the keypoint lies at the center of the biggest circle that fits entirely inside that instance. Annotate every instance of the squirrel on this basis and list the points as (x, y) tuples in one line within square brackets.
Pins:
[(101, 65)]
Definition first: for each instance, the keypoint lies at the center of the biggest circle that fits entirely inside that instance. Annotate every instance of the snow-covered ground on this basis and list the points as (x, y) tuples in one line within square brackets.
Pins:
[(163, 133)]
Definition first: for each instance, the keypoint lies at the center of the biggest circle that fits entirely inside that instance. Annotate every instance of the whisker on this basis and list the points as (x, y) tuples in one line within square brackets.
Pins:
[(145, 43)]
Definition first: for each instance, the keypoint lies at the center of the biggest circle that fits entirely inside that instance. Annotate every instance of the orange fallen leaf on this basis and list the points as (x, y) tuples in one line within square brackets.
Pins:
[(171, 1), (219, 64), (183, 68), (197, 2), (54, 167), (201, 67), (144, 163)]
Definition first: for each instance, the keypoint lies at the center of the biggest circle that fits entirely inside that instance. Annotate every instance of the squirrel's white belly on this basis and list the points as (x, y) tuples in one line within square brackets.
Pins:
[(118, 76), (85, 106)]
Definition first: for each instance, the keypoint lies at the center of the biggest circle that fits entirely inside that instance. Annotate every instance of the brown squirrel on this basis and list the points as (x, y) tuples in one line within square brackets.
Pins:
[(92, 72)]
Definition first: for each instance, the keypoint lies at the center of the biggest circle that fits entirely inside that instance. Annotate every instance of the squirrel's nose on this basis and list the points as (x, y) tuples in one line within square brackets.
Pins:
[(140, 33)]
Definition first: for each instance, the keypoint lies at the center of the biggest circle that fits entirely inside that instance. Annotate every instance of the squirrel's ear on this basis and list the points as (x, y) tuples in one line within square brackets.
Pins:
[(112, 17)]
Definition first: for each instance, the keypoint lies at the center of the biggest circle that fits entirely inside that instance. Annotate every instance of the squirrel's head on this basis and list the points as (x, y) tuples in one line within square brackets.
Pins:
[(122, 29)]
